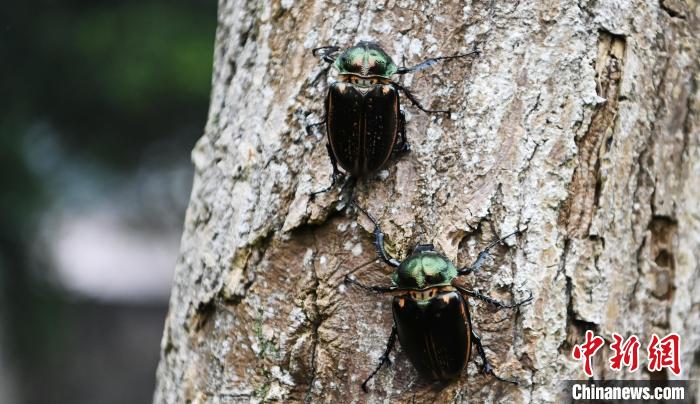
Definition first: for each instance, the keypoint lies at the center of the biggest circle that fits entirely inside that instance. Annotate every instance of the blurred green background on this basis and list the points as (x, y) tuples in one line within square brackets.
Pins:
[(101, 103)]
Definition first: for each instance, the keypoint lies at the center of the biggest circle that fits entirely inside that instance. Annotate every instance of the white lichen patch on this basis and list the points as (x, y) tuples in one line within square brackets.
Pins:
[(356, 250)]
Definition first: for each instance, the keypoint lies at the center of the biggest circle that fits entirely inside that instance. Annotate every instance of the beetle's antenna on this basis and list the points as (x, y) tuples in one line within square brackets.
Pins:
[(369, 288), (424, 65), (430, 62), (482, 255), (364, 264)]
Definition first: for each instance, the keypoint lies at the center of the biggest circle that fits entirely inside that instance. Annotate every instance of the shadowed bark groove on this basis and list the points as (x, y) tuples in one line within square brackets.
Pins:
[(578, 122)]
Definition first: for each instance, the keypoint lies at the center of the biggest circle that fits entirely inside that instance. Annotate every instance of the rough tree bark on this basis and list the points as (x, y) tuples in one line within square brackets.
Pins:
[(579, 121)]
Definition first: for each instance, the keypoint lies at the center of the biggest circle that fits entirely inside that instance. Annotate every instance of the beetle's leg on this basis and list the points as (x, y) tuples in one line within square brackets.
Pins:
[(378, 289), (488, 299), (486, 367), (347, 190), (385, 357), (379, 239), (326, 53), (334, 177), (418, 105), (337, 175), (427, 63), (310, 126), (403, 146), (482, 256)]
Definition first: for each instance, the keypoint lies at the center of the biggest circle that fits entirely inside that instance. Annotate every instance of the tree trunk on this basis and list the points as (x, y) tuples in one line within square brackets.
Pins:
[(578, 122)]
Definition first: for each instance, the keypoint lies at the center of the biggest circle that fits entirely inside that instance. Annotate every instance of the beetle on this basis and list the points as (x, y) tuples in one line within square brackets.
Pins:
[(431, 311), (362, 109)]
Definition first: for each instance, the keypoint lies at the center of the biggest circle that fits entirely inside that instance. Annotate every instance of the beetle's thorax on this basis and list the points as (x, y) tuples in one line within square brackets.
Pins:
[(424, 270), (365, 59)]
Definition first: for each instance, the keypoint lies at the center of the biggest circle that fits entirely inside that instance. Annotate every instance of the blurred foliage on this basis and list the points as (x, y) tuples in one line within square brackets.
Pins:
[(114, 83), (111, 79), (110, 76)]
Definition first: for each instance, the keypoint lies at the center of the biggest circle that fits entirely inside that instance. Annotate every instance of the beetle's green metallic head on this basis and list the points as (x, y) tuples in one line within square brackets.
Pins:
[(365, 59), (424, 269)]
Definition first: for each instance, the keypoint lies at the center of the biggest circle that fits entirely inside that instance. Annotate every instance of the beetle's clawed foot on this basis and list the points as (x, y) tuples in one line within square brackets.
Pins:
[(385, 359), (403, 148), (312, 196), (526, 301), (447, 112), (516, 304), (336, 177), (496, 303), (364, 387), (503, 379), (310, 127), (351, 280), (488, 370)]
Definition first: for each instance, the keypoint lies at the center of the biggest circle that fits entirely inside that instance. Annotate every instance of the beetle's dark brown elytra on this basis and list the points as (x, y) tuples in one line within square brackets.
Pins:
[(431, 311), (364, 122)]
